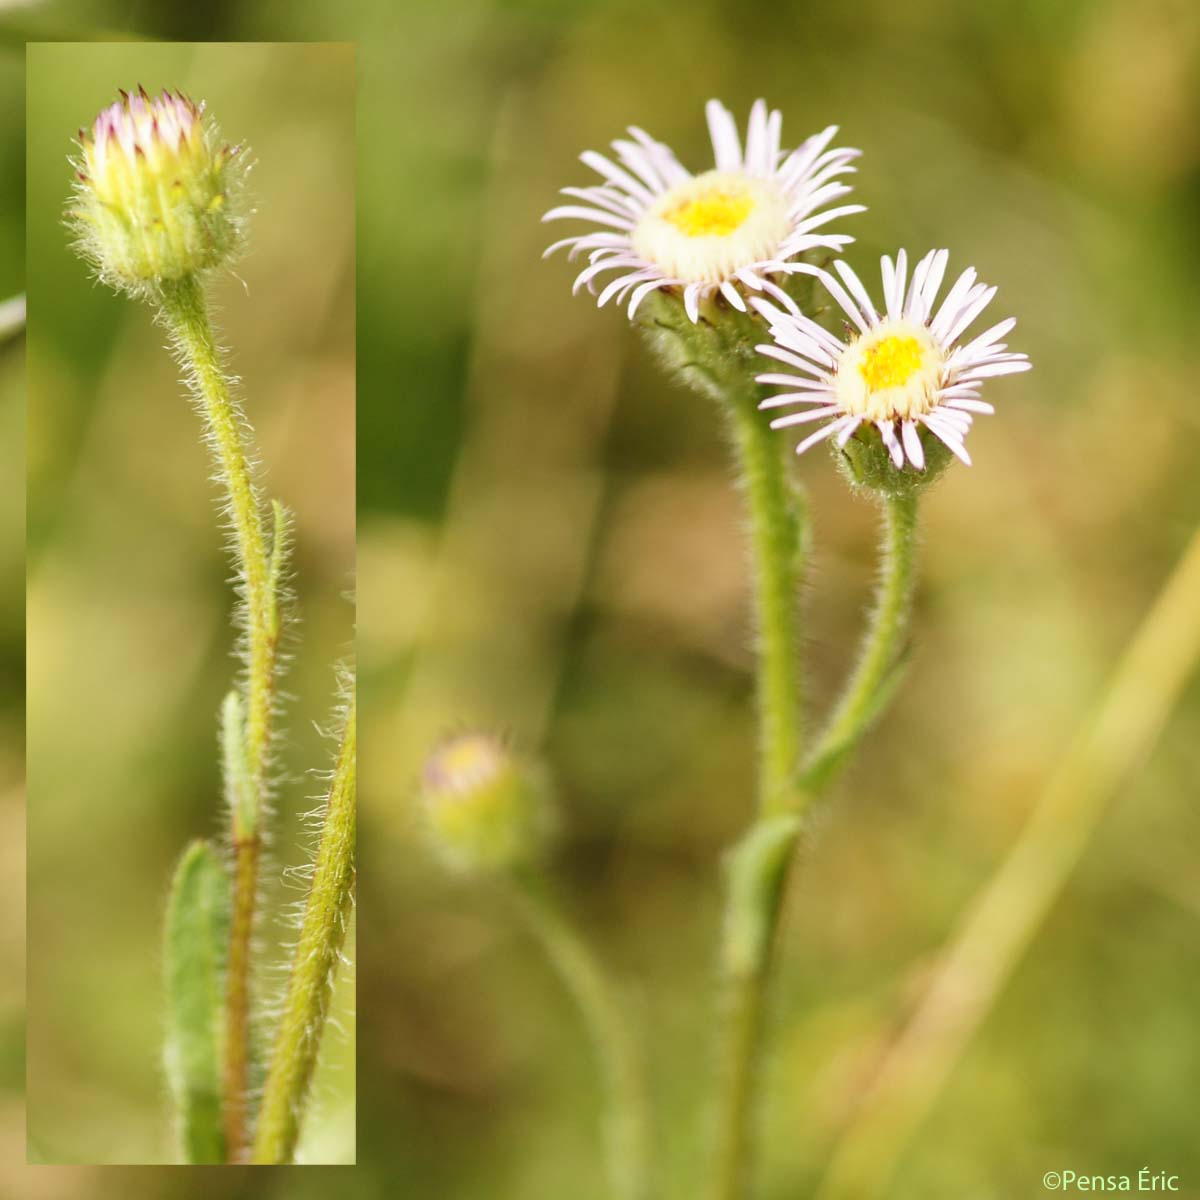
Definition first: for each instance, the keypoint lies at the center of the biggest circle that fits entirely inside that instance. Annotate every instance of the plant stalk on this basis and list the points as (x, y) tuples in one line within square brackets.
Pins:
[(327, 914), (882, 652), (775, 566), (185, 313), (627, 1123), (758, 866)]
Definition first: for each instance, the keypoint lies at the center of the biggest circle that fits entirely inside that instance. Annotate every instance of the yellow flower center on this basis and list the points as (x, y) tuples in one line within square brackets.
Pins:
[(891, 362), (716, 212), (469, 756), (892, 371), (706, 228)]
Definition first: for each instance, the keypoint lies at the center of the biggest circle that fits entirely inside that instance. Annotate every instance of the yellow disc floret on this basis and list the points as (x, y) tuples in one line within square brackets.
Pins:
[(707, 228), (892, 371), (157, 192), (716, 212), (891, 362)]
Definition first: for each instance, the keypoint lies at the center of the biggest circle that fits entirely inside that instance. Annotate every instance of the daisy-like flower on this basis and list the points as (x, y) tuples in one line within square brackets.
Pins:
[(728, 230), (902, 368)]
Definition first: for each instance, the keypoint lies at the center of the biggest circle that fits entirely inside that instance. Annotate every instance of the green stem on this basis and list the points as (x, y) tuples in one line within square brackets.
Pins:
[(775, 565), (870, 684), (627, 1123), (759, 864), (314, 964), (185, 313)]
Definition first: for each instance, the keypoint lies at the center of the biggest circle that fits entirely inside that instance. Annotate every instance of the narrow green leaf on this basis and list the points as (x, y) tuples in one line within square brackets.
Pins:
[(755, 870), (240, 793), (197, 944)]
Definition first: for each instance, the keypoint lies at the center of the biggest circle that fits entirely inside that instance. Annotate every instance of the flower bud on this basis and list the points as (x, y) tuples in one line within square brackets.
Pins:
[(158, 195), (486, 809)]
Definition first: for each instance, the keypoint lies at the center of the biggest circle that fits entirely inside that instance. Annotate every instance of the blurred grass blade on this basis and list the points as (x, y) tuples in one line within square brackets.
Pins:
[(197, 944), (999, 926), (12, 318)]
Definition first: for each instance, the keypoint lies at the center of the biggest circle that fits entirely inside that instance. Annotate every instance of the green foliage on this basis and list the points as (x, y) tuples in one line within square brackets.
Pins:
[(196, 947), (755, 871)]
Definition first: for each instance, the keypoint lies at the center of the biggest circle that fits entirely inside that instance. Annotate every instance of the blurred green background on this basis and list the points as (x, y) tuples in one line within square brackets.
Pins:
[(548, 542), (129, 636)]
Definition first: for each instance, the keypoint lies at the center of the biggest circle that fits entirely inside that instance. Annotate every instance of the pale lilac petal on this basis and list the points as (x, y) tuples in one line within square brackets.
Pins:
[(794, 381), (948, 438), (617, 175), (827, 431), (969, 405), (912, 445), (1001, 368), (969, 313), (933, 280), (803, 418), (588, 214), (793, 399), (951, 304), (859, 292), (848, 431), (887, 431), (640, 293), (722, 130), (985, 340), (836, 290)]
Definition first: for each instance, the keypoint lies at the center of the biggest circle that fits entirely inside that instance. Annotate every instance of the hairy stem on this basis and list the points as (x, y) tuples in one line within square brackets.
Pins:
[(870, 684), (314, 964), (237, 996), (759, 864), (627, 1123), (775, 566), (185, 313)]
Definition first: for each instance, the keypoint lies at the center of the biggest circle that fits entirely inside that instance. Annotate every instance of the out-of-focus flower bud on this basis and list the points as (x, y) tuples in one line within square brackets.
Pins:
[(486, 808)]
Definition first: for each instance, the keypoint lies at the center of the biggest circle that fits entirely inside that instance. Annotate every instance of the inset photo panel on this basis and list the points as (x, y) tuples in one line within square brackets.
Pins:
[(191, 548)]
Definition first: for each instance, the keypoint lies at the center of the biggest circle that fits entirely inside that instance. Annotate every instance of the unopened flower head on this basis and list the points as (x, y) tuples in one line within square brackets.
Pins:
[(904, 369), (158, 195), (486, 808), (731, 230)]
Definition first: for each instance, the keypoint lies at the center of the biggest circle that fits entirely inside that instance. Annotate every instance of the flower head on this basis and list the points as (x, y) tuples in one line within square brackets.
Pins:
[(902, 370), (157, 192), (728, 230), (486, 808)]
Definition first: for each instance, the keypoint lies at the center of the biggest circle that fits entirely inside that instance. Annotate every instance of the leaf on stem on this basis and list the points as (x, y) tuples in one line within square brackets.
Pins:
[(197, 944), (755, 870)]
